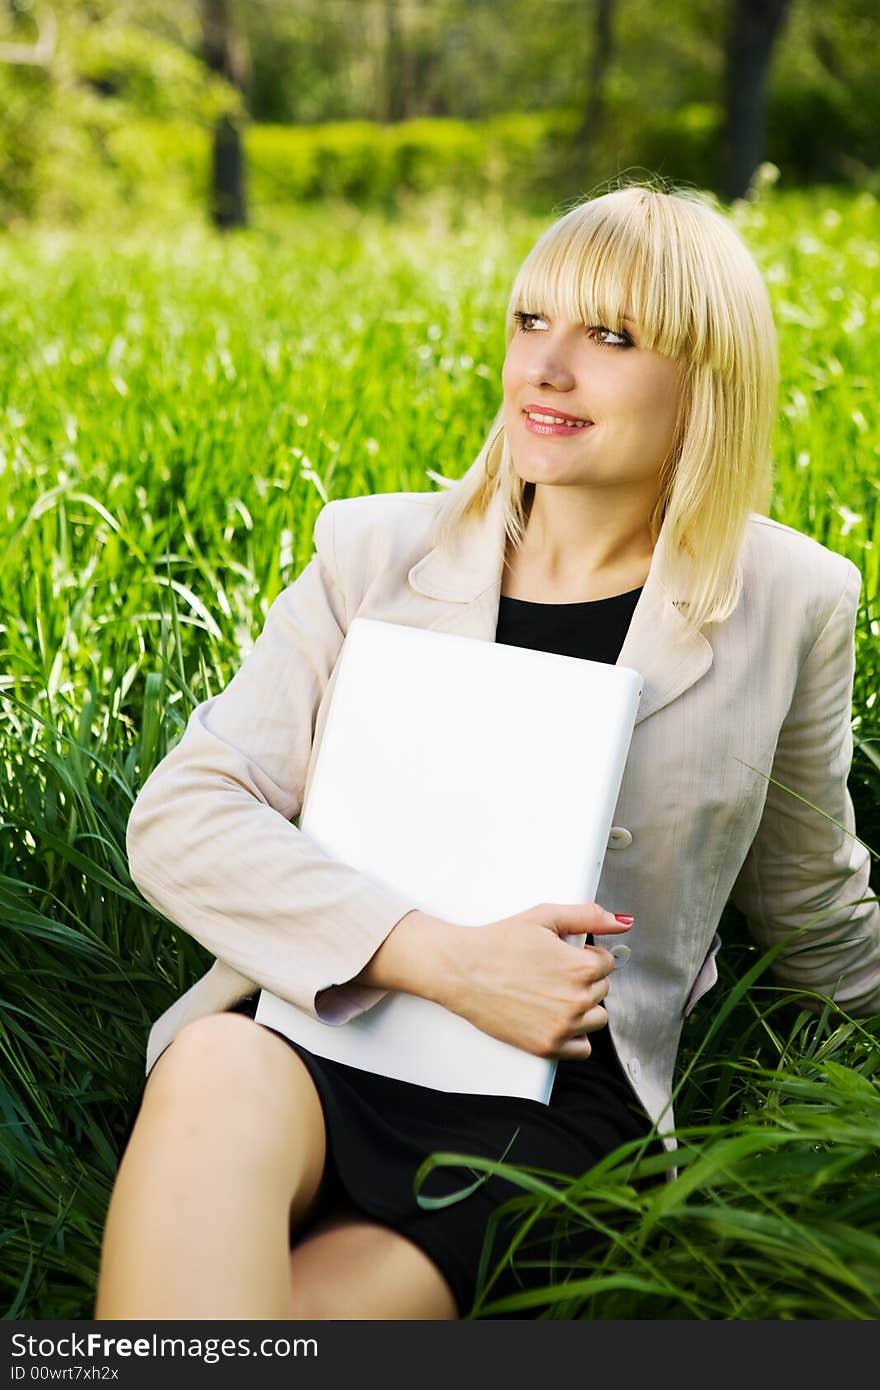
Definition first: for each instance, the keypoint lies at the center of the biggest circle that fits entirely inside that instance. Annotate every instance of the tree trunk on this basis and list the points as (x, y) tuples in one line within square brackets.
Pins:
[(753, 27), (224, 53), (396, 94), (600, 63), (228, 206)]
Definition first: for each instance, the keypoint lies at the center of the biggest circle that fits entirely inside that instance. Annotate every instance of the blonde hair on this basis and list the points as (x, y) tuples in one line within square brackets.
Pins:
[(698, 298)]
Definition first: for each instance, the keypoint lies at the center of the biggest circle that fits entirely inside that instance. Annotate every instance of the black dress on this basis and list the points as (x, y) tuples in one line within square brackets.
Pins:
[(379, 1129)]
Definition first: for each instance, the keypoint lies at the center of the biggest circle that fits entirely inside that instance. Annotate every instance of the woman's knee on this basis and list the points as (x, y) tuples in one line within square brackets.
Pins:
[(218, 1047), (228, 1063), (235, 1086)]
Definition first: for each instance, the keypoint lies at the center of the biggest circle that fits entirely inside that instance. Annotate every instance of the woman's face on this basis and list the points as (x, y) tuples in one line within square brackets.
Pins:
[(629, 395)]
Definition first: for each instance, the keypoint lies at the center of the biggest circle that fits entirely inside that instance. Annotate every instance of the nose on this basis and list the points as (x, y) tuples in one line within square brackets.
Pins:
[(549, 366)]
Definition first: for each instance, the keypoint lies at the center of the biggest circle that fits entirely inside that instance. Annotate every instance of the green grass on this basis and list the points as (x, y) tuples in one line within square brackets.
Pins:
[(174, 409)]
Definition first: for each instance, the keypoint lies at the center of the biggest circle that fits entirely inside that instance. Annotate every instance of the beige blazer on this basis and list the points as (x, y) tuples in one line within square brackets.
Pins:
[(212, 846)]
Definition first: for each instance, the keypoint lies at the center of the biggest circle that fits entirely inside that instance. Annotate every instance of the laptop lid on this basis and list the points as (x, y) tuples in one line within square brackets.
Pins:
[(480, 778)]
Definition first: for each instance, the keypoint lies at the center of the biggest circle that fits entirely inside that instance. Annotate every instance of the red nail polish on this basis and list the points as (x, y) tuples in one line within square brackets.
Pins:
[(625, 921)]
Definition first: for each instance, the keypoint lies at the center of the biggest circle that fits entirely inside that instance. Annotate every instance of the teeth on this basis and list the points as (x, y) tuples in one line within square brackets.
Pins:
[(555, 420)]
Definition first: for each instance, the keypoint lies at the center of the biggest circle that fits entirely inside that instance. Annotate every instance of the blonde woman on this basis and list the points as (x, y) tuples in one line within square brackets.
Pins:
[(617, 512)]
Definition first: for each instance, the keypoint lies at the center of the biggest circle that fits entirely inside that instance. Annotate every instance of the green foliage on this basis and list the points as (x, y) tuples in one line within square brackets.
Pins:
[(161, 170), (491, 95), (819, 131), (159, 167), (148, 76), (684, 144), (823, 100), (365, 162), (164, 165), (772, 1215), (100, 166), (69, 143), (174, 409)]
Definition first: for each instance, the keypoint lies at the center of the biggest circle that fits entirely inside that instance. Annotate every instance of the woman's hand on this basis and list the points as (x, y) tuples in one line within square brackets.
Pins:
[(519, 981)]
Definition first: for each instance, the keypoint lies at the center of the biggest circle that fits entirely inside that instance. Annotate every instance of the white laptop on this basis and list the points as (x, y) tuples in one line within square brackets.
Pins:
[(480, 778)]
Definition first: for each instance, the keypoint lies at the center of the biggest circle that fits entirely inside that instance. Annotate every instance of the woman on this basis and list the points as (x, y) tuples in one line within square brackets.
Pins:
[(633, 531)]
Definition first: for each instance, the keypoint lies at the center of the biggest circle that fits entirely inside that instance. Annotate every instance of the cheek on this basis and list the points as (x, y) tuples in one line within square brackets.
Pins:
[(660, 406), (509, 370), (509, 391)]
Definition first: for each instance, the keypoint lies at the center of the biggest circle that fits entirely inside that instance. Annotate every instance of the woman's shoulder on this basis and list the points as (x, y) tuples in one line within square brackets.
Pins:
[(377, 508), (797, 569), (358, 536), (778, 545)]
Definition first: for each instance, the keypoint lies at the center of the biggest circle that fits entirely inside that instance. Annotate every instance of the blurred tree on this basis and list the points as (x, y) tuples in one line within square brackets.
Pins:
[(416, 34), (823, 110), (590, 129), (646, 85), (319, 60), (72, 122), (753, 29), (226, 53), (397, 95)]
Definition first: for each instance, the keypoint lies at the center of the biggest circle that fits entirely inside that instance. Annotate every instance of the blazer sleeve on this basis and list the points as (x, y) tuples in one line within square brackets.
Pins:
[(802, 870), (210, 841)]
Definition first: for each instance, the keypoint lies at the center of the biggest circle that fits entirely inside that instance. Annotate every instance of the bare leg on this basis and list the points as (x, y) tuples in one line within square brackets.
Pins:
[(224, 1160), (350, 1267)]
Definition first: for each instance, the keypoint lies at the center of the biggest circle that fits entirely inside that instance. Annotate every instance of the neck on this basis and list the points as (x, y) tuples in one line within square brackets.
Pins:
[(572, 535)]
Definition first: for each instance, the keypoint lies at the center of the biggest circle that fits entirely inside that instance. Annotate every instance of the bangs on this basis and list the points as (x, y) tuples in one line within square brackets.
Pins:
[(630, 252)]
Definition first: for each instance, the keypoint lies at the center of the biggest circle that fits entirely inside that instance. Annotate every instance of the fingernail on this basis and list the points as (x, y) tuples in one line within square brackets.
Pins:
[(621, 955), (627, 921)]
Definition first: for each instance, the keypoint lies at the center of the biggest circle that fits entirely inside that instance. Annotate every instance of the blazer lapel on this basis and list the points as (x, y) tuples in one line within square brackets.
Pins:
[(466, 577)]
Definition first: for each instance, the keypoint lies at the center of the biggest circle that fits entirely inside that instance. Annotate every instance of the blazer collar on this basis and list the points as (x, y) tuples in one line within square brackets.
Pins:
[(467, 573)]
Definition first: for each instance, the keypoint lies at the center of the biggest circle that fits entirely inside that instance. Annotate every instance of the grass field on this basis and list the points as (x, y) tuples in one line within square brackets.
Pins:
[(174, 410)]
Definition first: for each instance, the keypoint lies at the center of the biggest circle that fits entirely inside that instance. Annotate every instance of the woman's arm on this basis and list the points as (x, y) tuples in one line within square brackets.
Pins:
[(210, 840), (801, 866), (420, 955)]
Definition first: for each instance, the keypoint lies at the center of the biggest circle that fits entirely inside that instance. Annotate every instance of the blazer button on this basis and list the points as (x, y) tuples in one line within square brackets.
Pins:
[(619, 837), (634, 1067)]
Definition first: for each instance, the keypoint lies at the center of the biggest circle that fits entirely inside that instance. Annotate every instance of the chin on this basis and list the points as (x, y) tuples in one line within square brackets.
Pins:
[(540, 472)]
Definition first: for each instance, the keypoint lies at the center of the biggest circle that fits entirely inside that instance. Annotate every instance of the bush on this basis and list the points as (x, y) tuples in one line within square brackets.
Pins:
[(100, 158), (161, 165), (150, 75), (78, 137), (684, 145), (823, 132), (370, 163)]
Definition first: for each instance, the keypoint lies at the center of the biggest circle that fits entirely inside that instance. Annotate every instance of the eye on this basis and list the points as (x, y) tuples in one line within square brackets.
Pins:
[(623, 339), (525, 320)]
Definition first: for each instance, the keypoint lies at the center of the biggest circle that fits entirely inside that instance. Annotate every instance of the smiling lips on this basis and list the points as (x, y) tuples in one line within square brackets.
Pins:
[(551, 422)]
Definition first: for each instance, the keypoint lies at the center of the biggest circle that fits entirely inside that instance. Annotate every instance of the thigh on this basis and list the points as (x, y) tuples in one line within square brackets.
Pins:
[(347, 1266), (240, 1082)]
